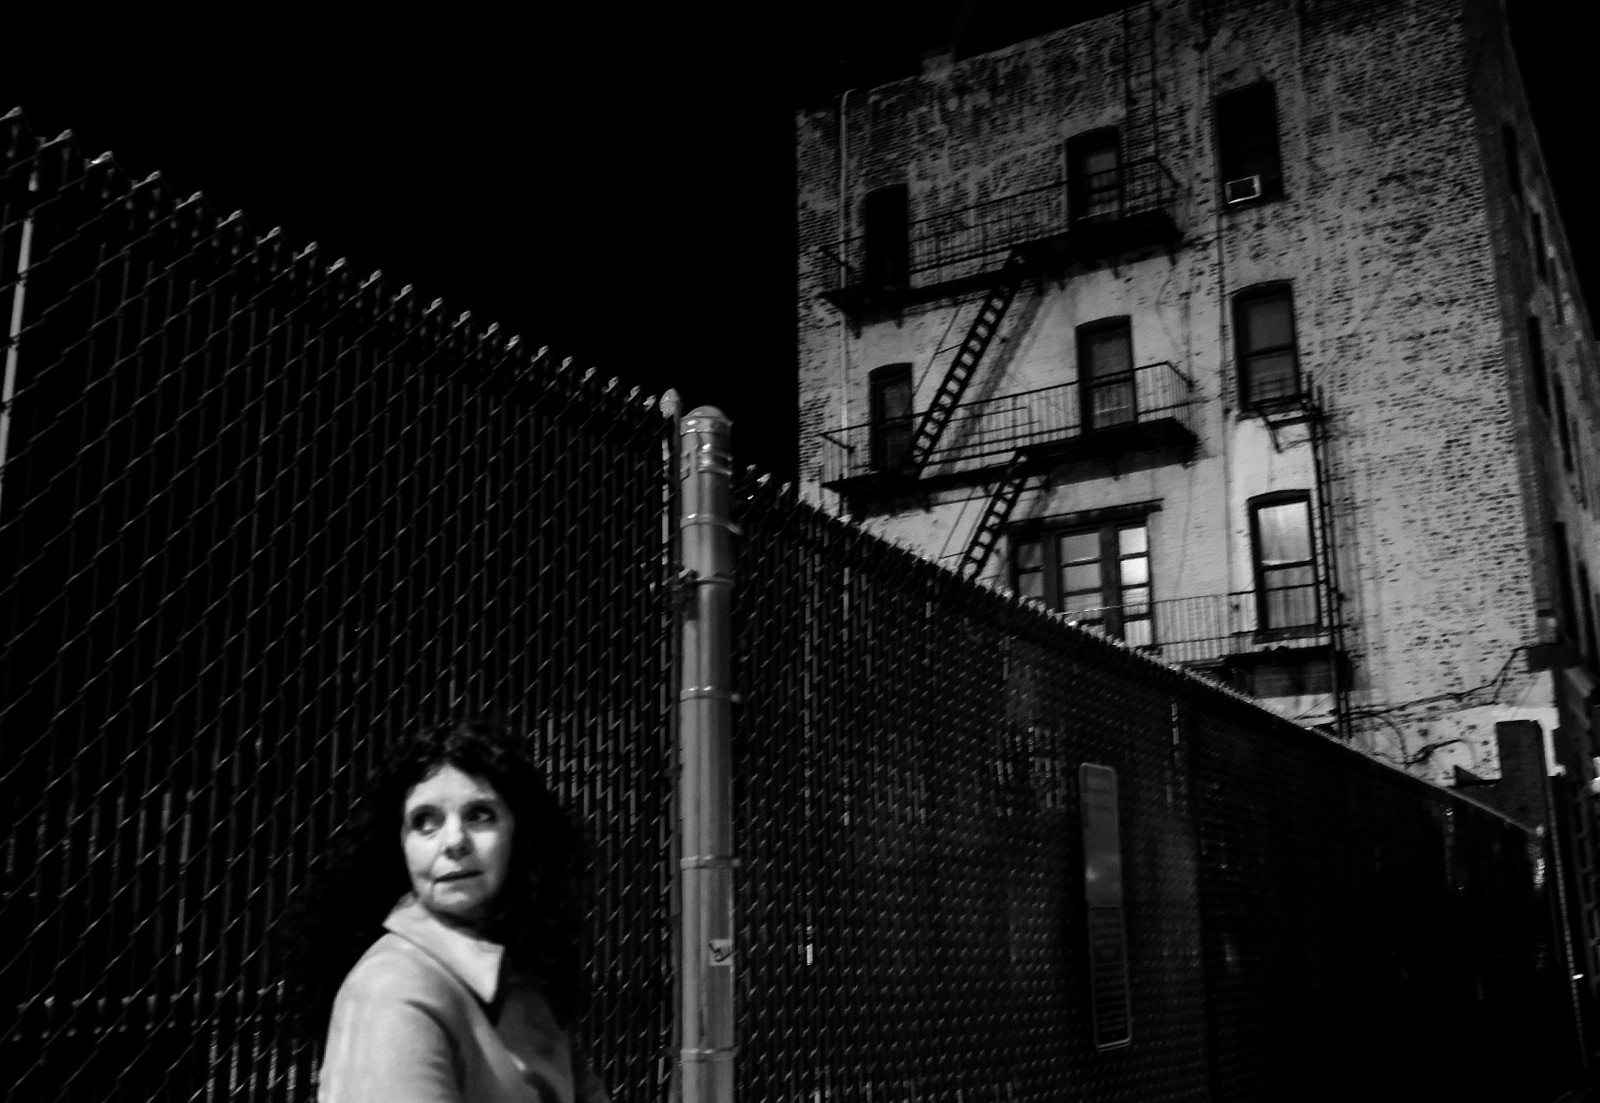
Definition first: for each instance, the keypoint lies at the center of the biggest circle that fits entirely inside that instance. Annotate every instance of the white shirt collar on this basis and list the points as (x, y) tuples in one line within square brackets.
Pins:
[(474, 959)]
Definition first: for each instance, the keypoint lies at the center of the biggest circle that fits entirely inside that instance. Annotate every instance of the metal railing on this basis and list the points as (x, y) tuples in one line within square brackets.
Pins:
[(984, 432), (1212, 627), (952, 243)]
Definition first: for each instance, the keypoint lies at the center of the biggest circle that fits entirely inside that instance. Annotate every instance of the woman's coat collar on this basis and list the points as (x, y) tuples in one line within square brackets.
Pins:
[(472, 958)]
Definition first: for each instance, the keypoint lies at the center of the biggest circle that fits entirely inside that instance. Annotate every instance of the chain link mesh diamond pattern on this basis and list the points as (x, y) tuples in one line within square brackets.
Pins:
[(257, 513)]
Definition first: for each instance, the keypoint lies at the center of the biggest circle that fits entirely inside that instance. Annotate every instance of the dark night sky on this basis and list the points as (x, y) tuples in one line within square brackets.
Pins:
[(620, 188)]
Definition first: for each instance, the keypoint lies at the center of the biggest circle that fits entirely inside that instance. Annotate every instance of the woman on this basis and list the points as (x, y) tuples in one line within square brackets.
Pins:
[(464, 864)]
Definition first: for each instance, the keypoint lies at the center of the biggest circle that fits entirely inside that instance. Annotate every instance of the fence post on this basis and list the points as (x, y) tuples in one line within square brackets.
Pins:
[(705, 785)]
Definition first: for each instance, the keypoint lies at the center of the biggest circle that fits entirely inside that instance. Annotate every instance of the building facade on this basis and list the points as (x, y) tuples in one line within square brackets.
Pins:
[(1246, 333)]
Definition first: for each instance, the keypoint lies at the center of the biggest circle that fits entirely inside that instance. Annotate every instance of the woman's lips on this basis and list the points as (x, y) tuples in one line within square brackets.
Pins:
[(457, 876)]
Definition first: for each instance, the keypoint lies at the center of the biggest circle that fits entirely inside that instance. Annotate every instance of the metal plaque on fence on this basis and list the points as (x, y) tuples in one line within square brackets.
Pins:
[(1102, 892)]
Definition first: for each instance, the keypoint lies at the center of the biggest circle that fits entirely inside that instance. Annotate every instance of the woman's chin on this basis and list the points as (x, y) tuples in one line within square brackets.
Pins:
[(463, 906)]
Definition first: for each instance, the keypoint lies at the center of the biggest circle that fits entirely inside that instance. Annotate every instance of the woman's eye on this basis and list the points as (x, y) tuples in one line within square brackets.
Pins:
[(423, 821), (481, 814)]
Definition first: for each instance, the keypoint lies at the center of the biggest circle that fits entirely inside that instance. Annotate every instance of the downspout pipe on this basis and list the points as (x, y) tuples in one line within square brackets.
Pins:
[(706, 966), (844, 239)]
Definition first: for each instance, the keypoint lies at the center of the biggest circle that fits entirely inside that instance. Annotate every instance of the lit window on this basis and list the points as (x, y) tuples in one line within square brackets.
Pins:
[(1099, 575), (1269, 369), (1285, 566)]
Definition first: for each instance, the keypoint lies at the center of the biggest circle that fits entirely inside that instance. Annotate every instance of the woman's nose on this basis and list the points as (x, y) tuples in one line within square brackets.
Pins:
[(455, 837)]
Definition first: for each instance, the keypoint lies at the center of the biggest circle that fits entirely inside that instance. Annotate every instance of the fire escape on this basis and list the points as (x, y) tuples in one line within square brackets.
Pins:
[(994, 247)]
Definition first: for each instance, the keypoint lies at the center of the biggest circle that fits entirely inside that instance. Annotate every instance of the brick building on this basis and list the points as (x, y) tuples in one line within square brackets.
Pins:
[(1245, 332)]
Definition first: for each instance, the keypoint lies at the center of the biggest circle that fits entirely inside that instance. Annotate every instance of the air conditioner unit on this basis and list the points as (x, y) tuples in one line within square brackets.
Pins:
[(1242, 190)]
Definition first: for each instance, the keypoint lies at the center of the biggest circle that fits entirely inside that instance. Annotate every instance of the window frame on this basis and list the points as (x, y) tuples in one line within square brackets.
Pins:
[(1259, 570), (881, 424), (1108, 527), (1080, 204), (1237, 157), (886, 236), (1243, 299), (1513, 158), (1089, 385), (1537, 362), (1541, 260)]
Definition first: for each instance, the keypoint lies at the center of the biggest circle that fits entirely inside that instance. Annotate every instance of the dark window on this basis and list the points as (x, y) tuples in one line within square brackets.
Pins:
[(1563, 427), (1590, 637), (887, 246), (1541, 386), (1569, 607), (1100, 576), (1247, 145), (1094, 175), (1289, 676), (1508, 139), (1285, 566), (1105, 373), (1263, 320), (1539, 262), (892, 422)]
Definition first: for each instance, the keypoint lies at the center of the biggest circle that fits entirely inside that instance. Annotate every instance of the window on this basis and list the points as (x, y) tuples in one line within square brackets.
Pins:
[(892, 421), (1263, 327), (1289, 676), (1563, 565), (1563, 427), (1541, 386), (1539, 262), (887, 245), (1099, 575), (1588, 617), (1247, 145), (1094, 175), (1105, 373), (1285, 569), (1508, 141)]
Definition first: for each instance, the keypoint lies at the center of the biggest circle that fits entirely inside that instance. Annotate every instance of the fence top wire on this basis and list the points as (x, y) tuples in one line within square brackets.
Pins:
[(35, 172), (898, 567)]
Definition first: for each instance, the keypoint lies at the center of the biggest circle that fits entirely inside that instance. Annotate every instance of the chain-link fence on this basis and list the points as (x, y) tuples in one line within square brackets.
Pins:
[(924, 892), (258, 514)]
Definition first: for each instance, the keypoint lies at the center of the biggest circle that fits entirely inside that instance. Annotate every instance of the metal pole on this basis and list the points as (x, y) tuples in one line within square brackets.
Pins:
[(705, 784), (8, 384)]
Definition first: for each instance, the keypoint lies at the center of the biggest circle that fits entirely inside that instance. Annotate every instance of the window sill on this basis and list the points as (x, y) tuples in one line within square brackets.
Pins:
[(1246, 204)]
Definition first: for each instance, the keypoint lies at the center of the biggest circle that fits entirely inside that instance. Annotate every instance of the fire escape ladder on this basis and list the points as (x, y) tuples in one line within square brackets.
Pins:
[(1141, 132), (979, 336), (995, 515), (1332, 594)]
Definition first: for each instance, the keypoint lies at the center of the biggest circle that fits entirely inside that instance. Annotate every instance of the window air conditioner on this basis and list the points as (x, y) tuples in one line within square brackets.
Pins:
[(1242, 190)]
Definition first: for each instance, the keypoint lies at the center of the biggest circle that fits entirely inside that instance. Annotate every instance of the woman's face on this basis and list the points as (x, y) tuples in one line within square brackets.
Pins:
[(457, 833)]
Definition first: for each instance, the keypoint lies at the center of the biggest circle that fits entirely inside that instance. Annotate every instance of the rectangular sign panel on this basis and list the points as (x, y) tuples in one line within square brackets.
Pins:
[(1102, 892)]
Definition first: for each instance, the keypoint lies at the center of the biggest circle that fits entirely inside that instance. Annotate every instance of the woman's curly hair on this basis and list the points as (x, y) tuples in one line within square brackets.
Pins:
[(343, 910)]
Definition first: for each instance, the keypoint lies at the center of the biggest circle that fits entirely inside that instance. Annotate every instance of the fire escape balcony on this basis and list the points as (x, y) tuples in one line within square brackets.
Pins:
[(961, 250), (1145, 408), (1230, 634)]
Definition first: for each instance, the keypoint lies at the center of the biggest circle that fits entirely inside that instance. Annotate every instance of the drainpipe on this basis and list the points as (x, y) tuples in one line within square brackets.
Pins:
[(705, 781), (844, 237)]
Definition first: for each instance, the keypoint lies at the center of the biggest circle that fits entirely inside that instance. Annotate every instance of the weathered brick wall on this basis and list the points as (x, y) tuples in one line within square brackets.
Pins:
[(1389, 235)]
